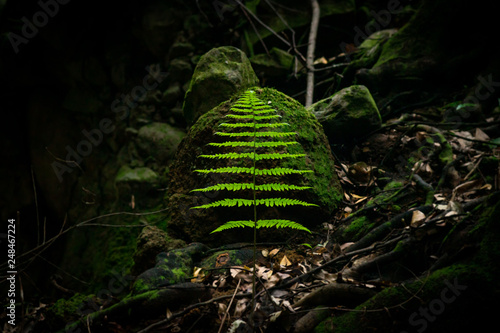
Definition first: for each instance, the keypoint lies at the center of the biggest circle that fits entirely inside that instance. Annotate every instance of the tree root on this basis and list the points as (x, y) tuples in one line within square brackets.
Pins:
[(148, 304), (334, 294)]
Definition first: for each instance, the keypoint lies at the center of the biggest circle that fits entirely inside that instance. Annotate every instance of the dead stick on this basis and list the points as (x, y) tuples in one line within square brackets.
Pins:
[(310, 52), (229, 306)]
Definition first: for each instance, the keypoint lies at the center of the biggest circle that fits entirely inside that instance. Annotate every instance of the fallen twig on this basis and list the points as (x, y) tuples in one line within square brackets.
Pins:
[(229, 306)]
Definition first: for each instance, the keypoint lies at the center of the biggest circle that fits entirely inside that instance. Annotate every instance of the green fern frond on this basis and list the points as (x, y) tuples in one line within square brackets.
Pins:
[(228, 187), (258, 172), (271, 125), (257, 157), (254, 110), (282, 202), (261, 224), (253, 116), (281, 224), (267, 117), (251, 186), (254, 125), (280, 171), (257, 134), (251, 144), (268, 202), (230, 202), (280, 187), (234, 224), (237, 109)]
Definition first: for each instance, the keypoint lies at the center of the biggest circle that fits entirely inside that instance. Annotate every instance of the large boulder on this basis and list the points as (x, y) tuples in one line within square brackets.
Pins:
[(221, 73), (197, 224), (348, 114)]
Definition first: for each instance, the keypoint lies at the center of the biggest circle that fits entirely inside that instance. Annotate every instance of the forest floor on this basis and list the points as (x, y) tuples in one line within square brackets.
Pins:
[(406, 211)]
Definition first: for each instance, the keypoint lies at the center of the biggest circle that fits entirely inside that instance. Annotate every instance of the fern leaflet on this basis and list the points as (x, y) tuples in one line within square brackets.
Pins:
[(258, 172), (268, 202), (261, 224), (251, 186)]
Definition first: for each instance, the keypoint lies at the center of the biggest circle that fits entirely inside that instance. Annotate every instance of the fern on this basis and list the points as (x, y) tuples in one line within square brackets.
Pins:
[(250, 121)]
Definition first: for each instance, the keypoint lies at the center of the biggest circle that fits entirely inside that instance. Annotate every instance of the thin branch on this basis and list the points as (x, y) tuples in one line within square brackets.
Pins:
[(42, 247), (310, 52), (294, 46), (229, 306), (256, 32), (300, 56), (189, 308)]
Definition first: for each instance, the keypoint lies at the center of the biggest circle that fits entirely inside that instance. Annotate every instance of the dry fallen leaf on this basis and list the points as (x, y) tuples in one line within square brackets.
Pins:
[(222, 308), (417, 218), (285, 262), (274, 252), (467, 186), (264, 272), (240, 308), (345, 245), (440, 206), (480, 135)]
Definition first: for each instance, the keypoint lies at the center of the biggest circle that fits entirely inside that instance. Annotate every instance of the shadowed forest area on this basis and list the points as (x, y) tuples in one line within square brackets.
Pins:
[(345, 152)]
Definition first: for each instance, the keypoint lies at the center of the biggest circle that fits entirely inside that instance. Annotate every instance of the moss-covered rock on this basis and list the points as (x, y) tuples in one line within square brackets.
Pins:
[(151, 241), (224, 259), (171, 267), (65, 309), (159, 141), (220, 73), (348, 114), (196, 224)]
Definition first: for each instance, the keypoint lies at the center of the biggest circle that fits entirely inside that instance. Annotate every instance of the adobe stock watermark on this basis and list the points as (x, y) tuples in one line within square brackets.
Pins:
[(428, 314), (93, 138), (382, 19), (30, 28)]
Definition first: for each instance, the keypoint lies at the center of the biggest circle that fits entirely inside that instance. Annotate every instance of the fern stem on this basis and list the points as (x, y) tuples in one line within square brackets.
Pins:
[(254, 214)]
